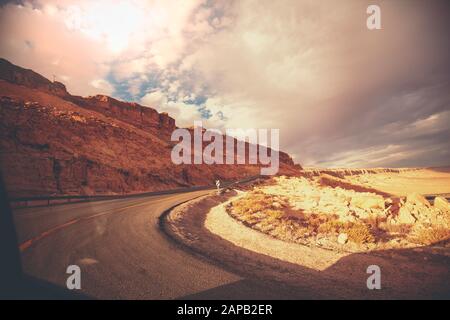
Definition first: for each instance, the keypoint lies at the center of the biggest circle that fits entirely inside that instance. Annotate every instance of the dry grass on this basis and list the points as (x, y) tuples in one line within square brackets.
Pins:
[(360, 233), (276, 214), (272, 215), (331, 227), (255, 202), (357, 232), (395, 228), (258, 209), (432, 235), (301, 211)]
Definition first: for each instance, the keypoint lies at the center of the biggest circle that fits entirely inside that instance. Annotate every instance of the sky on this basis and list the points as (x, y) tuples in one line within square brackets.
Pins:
[(342, 95)]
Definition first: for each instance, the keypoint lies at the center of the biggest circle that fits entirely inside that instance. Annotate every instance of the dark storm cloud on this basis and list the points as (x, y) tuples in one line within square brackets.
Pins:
[(397, 113)]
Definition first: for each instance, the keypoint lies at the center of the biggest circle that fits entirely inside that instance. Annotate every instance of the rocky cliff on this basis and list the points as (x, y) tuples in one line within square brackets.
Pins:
[(30, 79), (54, 143)]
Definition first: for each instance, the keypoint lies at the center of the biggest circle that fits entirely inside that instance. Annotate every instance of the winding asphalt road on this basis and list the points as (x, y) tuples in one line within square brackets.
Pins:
[(119, 247), (123, 254)]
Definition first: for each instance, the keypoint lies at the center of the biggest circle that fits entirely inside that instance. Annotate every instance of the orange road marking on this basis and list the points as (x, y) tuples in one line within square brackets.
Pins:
[(28, 243)]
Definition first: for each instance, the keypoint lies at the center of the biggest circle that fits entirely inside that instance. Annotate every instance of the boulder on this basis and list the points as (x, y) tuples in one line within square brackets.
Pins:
[(347, 218), (361, 213), (441, 204), (276, 205), (417, 199), (367, 201), (405, 216), (309, 204), (342, 238)]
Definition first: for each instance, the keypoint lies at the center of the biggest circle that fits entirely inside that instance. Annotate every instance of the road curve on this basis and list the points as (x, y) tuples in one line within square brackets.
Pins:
[(123, 254), (119, 247)]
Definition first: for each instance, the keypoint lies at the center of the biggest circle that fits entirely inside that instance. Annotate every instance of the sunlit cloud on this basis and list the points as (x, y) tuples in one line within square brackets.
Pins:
[(340, 94)]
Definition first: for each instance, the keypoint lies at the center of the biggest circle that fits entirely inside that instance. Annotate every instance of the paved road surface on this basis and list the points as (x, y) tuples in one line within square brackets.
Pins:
[(123, 254), (119, 247)]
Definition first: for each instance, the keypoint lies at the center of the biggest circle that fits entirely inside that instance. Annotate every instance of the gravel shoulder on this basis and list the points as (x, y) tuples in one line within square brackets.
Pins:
[(219, 222)]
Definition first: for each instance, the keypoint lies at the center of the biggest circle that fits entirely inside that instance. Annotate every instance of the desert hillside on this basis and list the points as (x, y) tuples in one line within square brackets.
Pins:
[(54, 143)]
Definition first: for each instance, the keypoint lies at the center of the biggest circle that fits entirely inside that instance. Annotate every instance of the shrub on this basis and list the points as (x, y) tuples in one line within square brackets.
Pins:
[(256, 202), (277, 214), (360, 233), (429, 236)]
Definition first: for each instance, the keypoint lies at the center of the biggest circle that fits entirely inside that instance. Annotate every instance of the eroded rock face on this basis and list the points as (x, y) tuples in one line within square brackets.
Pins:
[(133, 113), (53, 143), (341, 173), (30, 79)]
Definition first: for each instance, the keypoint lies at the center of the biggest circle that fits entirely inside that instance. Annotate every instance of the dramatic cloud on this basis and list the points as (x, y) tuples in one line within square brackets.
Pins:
[(341, 94)]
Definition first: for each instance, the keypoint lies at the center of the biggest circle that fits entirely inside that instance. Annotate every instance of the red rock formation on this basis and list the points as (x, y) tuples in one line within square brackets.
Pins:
[(25, 77), (53, 143), (130, 112)]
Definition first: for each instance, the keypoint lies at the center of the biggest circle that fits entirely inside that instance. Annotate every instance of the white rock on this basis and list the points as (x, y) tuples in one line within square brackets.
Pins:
[(417, 199), (347, 218), (405, 216), (276, 205), (367, 201), (342, 238), (441, 204)]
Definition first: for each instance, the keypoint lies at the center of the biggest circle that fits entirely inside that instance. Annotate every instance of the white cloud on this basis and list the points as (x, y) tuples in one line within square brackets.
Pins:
[(155, 98), (102, 86)]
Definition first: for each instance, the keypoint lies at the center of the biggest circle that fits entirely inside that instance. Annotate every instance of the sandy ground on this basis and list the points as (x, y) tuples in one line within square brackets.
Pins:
[(220, 223), (424, 181)]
